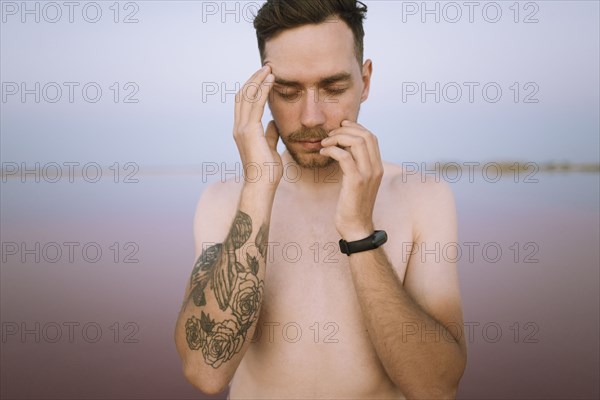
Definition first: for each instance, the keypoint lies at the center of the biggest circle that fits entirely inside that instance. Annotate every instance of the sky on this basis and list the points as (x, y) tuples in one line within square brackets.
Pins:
[(153, 82)]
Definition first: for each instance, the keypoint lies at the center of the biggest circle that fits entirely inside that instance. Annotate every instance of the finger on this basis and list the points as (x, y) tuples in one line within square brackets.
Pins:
[(241, 94), (258, 76), (250, 92), (373, 142), (344, 158), (257, 108), (272, 135), (353, 128), (357, 146)]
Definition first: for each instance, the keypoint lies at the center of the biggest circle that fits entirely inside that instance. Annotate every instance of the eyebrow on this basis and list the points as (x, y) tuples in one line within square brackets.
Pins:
[(328, 80)]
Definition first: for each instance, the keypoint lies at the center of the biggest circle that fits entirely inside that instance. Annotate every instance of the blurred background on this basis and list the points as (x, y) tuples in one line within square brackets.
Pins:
[(115, 115)]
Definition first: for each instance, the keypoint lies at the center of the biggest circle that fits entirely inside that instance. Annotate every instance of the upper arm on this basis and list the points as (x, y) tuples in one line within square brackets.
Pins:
[(431, 276), (214, 213), (212, 219)]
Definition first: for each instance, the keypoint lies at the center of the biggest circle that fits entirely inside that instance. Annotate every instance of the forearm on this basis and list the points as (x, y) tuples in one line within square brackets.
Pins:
[(419, 354), (224, 296)]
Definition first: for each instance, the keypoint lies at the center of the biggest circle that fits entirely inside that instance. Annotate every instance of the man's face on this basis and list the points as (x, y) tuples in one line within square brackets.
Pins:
[(318, 84)]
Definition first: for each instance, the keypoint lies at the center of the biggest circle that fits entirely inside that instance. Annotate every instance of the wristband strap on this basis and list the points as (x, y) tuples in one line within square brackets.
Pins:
[(369, 243)]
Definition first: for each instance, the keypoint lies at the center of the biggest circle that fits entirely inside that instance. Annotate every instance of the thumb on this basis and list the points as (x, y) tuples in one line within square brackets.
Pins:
[(272, 135)]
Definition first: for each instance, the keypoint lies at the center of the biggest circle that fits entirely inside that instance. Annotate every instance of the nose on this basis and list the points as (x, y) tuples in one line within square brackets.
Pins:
[(312, 114)]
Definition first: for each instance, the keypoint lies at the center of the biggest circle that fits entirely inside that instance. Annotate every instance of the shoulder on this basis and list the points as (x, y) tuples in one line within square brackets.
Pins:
[(215, 209), (221, 190), (219, 196), (415, 184), (428, 197)]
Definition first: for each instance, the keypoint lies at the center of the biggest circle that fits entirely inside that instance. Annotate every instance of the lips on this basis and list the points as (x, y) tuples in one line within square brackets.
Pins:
[(311, 145), (310, 139)]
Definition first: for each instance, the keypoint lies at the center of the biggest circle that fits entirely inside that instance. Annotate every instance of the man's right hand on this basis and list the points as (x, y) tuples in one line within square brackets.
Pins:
[(261, 162)]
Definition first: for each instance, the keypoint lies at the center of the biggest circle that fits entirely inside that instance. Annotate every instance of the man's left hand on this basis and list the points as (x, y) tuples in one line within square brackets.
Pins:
[(357, 152)]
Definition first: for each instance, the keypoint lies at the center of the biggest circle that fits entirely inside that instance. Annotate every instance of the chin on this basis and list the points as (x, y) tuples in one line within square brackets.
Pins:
[(312, 160)]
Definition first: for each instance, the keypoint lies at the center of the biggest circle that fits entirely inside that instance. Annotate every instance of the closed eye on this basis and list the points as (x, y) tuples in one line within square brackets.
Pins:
[(287, 95), (336, 90)]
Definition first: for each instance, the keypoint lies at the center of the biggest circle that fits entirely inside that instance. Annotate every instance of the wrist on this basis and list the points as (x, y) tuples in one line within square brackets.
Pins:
[(266, 175), (370, 242), (257, 201), (260, 187), (357, 233)]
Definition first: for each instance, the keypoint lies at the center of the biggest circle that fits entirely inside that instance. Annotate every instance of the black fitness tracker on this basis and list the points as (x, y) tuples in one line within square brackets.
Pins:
[(369, 243)]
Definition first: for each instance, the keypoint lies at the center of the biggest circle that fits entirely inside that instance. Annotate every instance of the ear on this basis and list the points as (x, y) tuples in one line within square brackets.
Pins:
[(367, 70)]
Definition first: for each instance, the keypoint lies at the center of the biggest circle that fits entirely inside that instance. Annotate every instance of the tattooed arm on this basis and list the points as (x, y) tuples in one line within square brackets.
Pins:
[(224, 294), (225, 291)]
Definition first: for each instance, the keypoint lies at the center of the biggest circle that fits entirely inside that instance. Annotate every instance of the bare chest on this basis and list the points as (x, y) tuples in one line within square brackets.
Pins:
[(311, 316), (308, 280)]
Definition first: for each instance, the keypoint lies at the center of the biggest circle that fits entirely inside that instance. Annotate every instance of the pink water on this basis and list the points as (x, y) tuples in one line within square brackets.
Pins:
[(535, 326)]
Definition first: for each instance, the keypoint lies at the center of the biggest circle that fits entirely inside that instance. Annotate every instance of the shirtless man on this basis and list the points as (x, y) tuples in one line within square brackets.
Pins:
[(273, 308)]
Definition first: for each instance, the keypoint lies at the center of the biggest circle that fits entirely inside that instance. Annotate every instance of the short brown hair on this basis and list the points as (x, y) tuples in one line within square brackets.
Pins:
[(278, 15)]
